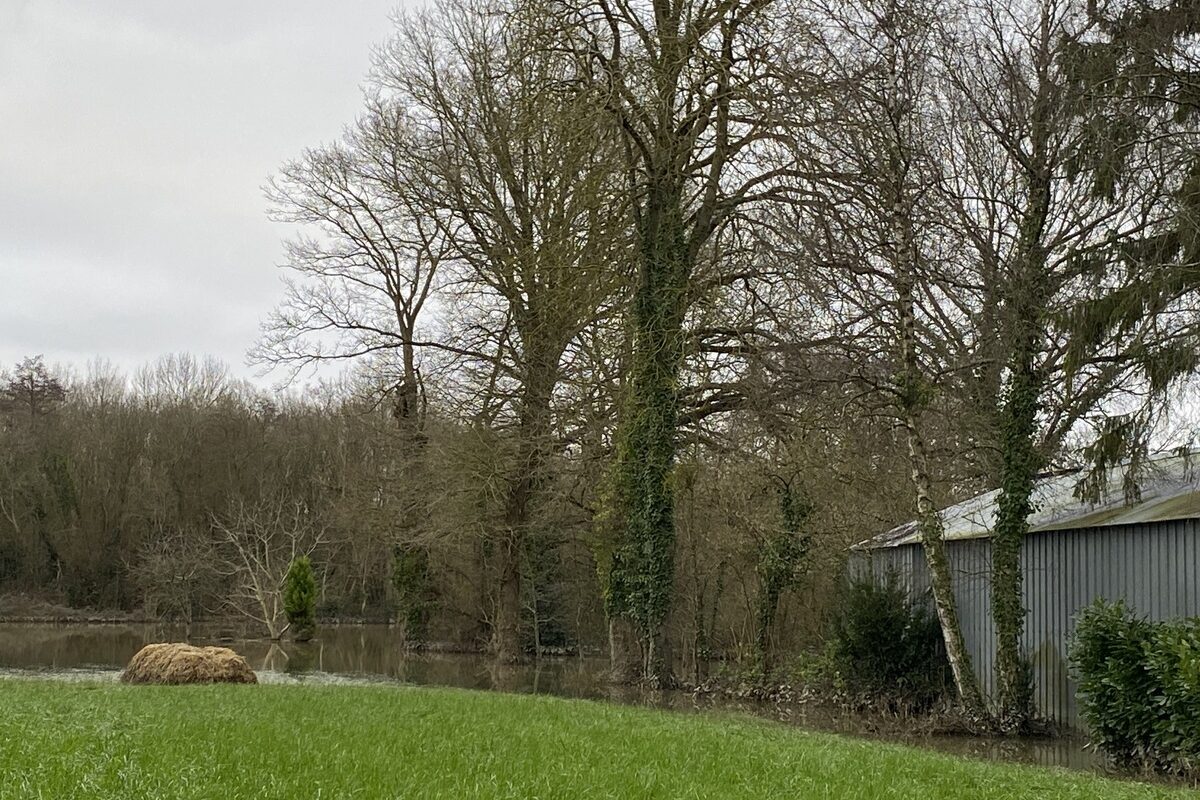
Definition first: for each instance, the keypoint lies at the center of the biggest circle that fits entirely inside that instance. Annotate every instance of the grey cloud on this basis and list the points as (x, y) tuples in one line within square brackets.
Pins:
[(136, 137)]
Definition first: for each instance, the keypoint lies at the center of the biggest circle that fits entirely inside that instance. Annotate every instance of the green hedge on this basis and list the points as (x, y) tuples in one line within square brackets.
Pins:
[(1139, 686)]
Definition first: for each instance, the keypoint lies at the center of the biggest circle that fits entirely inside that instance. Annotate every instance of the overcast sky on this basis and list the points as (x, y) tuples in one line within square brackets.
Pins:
[(135, 137)]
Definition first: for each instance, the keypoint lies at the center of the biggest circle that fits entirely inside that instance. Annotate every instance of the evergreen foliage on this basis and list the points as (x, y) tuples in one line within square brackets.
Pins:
[(300, 598), (1139, 686), (888, 647)]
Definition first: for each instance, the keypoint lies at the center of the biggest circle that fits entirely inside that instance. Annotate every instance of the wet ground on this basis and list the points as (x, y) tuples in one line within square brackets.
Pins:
[(372, 653)]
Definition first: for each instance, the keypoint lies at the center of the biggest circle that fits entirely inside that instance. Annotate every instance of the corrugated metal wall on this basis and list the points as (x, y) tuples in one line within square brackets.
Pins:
[(1155, 567)]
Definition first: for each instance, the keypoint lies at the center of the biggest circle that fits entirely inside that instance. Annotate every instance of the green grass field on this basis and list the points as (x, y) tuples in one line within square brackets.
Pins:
[(92, 740)]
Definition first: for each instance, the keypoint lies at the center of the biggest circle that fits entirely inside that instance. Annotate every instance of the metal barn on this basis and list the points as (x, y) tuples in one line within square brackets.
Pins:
[(1147, 552)]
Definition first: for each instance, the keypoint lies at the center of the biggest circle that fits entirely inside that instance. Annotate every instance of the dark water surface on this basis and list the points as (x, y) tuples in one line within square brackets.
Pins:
[(372, 652)]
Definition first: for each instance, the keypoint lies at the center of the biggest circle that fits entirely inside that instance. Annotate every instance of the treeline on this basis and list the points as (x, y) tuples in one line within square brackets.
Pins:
[(184, 494), (667, 301)]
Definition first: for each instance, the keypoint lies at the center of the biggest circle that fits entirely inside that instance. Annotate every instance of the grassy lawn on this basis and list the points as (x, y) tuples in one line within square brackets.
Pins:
[(62, 740)]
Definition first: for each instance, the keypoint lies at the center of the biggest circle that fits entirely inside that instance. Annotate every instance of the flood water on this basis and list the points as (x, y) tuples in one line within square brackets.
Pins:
[(372, 653)]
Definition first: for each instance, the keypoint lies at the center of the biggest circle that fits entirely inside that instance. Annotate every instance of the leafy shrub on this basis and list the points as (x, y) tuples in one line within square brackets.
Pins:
[(300, 599), (819, 672), (1139, 686), (888, 647)]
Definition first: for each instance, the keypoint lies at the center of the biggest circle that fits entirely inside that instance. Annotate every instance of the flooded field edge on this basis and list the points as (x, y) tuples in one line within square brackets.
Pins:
[(370, 654)]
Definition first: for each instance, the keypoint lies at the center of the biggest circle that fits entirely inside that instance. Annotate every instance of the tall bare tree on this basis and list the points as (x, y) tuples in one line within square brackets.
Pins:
[(366, 261), (516, 167), (899, 310)]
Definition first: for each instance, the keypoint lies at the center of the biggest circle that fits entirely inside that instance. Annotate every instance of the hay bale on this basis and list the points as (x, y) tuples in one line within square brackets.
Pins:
[(182, 663)]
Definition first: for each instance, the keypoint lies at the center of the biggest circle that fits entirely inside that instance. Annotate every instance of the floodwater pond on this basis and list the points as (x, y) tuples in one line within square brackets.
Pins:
[(351, 653)]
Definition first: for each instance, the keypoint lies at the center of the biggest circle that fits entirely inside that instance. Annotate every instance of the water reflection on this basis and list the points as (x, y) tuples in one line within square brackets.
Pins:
[(373, 652)]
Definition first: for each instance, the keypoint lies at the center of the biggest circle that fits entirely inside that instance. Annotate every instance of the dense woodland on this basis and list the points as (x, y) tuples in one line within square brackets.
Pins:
[(141, 492), (646, 311)]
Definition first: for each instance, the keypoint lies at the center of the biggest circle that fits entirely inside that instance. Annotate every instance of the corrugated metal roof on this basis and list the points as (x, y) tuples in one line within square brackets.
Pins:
[(1170, 489)]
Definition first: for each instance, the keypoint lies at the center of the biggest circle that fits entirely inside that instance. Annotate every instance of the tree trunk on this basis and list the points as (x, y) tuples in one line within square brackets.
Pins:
[(1019, 468), (410, 577), (643, 568), (1020, 460), (533, 433), (913, 393), (767, 606), (658, 670), (408, 392), (941, 579), (624, 652), (506, 630)]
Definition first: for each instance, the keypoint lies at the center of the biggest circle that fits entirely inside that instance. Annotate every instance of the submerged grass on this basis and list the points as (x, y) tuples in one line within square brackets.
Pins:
[(72, 740)]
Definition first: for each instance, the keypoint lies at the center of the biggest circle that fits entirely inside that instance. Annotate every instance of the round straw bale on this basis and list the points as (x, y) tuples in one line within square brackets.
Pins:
[(171, 662)]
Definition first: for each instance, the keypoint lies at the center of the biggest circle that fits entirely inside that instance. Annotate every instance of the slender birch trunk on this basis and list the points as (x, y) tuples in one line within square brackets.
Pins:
[(901, 144), (940, 576)]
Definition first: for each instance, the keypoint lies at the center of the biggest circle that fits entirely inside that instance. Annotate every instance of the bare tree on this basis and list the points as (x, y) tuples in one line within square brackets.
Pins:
[(1087, 309), (258, 542), (898, 306), (32, 388), (367, 261), (515, 164), (176, 571), (184, 379)]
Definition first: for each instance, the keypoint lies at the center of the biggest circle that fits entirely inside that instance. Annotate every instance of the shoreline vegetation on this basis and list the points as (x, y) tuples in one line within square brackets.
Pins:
[(28, 609), (796, 684), (101, 740), (809, 682)]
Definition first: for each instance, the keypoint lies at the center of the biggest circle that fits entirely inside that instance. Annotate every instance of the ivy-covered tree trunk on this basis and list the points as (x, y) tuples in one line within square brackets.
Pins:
[(410, 576), (414, 590), (533, 433), (641, 579), (1020, 460), (680, 79), (781, 564), (1020, 463)]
